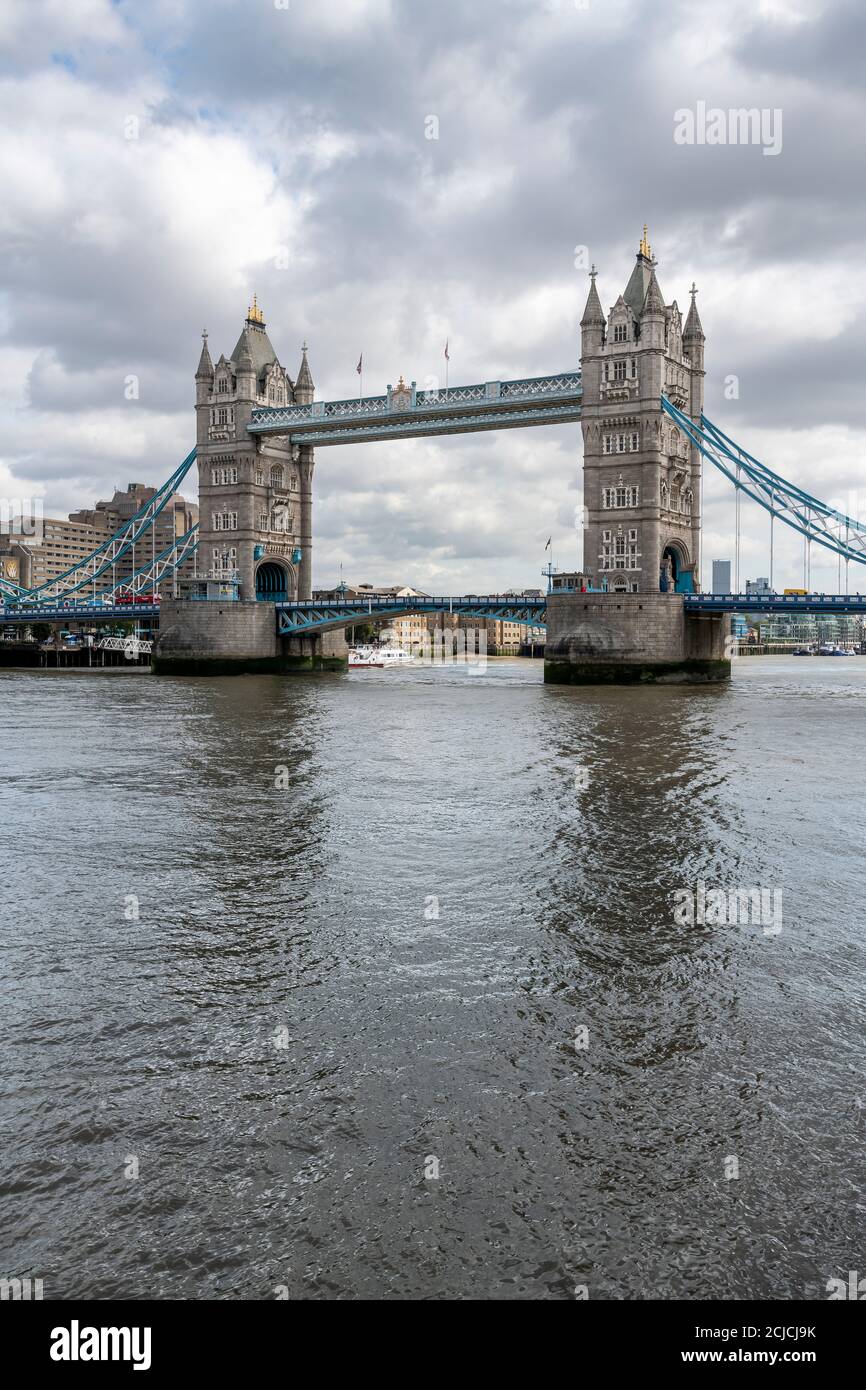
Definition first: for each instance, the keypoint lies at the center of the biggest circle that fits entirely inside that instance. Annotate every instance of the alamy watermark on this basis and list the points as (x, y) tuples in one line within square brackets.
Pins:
[(854, 1287), (21, 516), (21, 1290), (463, 646), (77, 1343), (702, 906), (743, 125)]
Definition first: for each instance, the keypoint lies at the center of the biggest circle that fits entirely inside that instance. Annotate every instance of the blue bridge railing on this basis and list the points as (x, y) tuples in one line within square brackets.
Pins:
[(775, 603), (93, 613), (294, 619)]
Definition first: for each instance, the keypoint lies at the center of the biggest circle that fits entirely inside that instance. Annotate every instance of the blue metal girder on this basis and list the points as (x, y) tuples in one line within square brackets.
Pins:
[(409, 413), (85, 572), (294, 619), (147, 576), (812, 518), (775, 603), (10, 590)]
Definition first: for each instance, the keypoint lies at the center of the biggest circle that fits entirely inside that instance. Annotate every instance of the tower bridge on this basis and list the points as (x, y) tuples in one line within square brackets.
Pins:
[(638, 396)]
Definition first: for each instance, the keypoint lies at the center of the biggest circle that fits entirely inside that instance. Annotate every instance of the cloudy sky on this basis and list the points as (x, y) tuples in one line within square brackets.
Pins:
[(160, 162)]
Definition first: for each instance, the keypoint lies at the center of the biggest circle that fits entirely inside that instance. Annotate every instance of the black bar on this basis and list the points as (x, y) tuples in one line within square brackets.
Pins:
[(168, 1338)]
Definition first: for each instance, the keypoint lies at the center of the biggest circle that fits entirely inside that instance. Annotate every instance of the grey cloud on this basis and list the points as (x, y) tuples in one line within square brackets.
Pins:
[(783, 388), (829, 46)]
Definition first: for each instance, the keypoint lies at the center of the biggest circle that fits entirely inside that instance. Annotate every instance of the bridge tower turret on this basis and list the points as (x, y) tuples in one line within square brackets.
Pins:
[(203, 389), (693, 348), (641, 476), (304, 388), (255, 517)]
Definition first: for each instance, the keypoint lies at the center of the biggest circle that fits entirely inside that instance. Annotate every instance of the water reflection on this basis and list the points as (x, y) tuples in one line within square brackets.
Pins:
[(388, 954)]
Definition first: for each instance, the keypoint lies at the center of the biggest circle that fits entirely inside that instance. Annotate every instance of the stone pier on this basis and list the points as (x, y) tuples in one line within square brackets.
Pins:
[(207, 638), (624, 639)]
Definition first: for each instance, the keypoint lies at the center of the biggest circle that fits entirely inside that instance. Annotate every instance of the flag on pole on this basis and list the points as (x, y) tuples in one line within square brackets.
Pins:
[(549, 539), (360, 366), (447, 354)]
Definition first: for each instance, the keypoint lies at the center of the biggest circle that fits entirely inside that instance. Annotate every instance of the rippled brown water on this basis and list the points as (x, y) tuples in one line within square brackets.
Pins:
[(289, 1034)]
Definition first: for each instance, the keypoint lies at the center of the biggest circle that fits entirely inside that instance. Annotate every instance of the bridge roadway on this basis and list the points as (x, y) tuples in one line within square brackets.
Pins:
[(775, 603), (295, 619), (78, 613)]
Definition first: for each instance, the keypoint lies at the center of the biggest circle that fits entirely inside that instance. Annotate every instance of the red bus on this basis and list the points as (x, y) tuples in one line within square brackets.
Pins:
[(124, 597)]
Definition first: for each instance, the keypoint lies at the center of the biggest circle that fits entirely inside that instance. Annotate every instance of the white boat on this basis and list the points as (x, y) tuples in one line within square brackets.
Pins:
[(378, 656)]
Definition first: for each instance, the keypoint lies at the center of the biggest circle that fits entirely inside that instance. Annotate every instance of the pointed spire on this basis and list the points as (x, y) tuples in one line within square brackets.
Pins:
[(205, 366), (304, 388), (244, 357), (593, 313), (694, 327), (653, 304), (636, 290)]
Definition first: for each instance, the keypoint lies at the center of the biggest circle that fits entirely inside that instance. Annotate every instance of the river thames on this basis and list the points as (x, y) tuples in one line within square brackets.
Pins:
[(372, 986)]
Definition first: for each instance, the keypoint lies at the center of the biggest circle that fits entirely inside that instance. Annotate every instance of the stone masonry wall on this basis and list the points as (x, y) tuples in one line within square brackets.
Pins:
[(594, 638), (203, 631), (211, 638)]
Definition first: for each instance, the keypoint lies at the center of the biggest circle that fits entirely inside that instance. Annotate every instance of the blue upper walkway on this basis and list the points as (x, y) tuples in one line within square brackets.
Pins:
[(407, 413)]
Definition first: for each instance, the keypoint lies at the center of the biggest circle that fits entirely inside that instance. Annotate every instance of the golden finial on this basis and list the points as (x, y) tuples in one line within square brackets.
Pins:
[(645, 246), (401, 385), (254, 313)]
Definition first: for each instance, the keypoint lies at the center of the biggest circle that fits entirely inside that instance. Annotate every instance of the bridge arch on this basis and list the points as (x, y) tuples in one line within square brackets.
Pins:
[(675, 573), (619, 583), (276, 580)]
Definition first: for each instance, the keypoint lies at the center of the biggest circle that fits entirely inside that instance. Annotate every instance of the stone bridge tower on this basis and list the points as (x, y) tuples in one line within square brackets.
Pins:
[(255, 524), (642, 494), (641, 475), (255, 494)]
